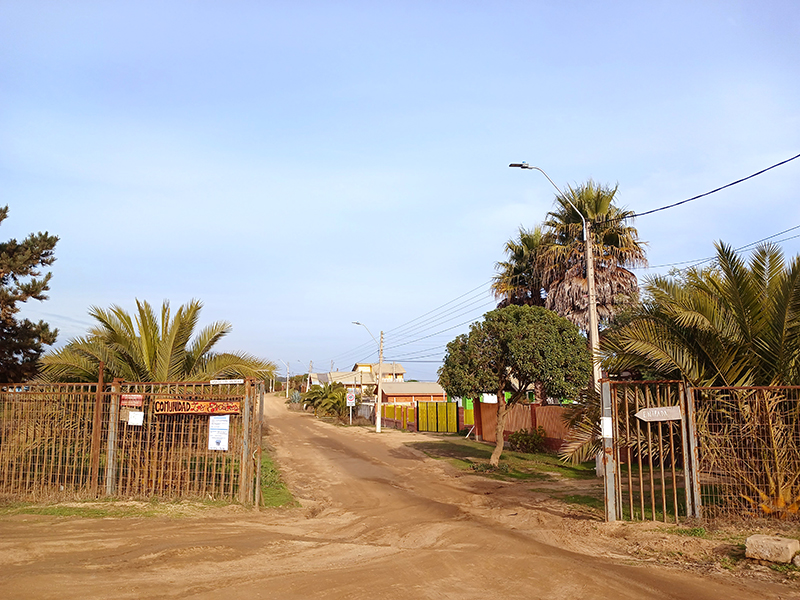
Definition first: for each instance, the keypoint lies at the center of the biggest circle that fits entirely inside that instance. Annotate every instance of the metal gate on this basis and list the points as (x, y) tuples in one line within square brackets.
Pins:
[(131, 439), (654, 452)]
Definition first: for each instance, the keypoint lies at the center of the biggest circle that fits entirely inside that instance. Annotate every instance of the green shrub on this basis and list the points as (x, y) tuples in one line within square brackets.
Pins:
[(526, 441)]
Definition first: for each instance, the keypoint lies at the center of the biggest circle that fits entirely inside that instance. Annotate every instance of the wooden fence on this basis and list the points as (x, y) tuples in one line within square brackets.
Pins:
[(522, 416), (171, 440)]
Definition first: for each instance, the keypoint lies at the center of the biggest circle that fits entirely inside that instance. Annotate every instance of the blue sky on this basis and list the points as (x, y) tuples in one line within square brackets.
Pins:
[(301, 165)]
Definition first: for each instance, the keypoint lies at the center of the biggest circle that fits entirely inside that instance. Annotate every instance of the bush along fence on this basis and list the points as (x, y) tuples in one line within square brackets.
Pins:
[(142, 440)]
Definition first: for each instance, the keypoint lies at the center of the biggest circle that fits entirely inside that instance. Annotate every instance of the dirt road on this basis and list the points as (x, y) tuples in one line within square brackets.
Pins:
[(377, 520)]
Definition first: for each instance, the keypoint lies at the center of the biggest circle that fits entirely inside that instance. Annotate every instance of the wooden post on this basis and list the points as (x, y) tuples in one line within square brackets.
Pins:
[(245, 467), (97, 425)]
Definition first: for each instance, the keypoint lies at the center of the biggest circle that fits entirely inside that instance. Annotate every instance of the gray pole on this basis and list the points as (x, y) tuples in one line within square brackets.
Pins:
[(380, 380)]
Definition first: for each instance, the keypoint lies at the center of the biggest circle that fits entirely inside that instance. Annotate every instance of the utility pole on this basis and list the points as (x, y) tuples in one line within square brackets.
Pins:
[(310, 366), (594, 330), (380, 380), (380, 376)]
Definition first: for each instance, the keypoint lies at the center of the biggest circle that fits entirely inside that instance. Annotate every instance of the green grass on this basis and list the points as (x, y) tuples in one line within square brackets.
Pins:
[(274, 492), (699, 532), (469, 455), (89, 511), (583, 500)]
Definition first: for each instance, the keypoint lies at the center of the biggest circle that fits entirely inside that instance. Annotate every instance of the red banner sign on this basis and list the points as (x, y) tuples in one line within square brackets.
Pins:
[(179, 406), (131, 400)]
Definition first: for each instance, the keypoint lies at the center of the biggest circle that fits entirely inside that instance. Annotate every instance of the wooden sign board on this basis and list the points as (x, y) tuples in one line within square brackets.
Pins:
[(192, 406), (660, 413)]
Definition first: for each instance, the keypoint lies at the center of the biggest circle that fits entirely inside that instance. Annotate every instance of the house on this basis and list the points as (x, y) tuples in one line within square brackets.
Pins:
[(391, 371), (412, 392), (363, 375)]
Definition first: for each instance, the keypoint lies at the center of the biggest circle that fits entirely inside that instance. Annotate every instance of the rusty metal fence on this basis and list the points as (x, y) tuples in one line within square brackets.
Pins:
[(142, 440), (713, 452), (749, 450)]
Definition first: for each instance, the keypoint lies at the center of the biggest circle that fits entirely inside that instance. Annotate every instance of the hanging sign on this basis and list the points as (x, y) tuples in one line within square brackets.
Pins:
[(218, 432), (134, 400), (193, 406), (660, 413)]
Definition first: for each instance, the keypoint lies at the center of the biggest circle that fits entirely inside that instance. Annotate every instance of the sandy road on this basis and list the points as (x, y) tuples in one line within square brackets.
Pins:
[(378, 520)]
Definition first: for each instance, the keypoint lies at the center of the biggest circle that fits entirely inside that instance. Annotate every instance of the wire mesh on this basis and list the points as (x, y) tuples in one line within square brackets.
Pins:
[(749, 448), (73, 440)]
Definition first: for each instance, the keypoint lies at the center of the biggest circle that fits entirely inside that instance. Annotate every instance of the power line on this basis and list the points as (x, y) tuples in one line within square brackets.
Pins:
[(739, 249), (655, 210)]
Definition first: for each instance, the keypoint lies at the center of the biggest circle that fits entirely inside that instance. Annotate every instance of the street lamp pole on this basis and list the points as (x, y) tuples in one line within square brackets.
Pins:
[(606, 419), (594, 330), (287, 376), (380, 376)]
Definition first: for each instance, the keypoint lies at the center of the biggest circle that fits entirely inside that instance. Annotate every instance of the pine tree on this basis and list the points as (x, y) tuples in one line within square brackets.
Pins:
[(22, 341)]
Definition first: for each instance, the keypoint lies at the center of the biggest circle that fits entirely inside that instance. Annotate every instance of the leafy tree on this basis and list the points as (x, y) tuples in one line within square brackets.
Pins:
[(733, 324), (149, 347), (511, 350), (22, 341)]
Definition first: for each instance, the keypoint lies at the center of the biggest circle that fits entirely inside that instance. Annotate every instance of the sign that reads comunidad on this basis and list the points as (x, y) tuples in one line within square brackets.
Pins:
[(195, 406)]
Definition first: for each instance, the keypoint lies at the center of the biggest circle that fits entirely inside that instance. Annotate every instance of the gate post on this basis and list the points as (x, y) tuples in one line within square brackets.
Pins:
[(691, 474), (245, 468), (609, 464), (111, 451), (97, 425)]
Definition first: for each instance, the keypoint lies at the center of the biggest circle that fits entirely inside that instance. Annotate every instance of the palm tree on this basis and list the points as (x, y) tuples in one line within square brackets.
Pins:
[(520, 278), (546, 265), (734, 324), (616, 249), (327, 399), (147, 347)]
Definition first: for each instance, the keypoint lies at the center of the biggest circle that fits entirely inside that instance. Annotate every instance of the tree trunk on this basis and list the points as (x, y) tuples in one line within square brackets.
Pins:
[(538, 388), (501, 423)]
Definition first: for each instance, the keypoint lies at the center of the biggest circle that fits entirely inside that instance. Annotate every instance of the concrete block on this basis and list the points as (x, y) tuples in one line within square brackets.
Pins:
[(772, 548)]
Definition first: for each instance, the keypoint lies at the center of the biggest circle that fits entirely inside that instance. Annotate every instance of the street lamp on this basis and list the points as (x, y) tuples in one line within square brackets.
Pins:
[(594, 333), (287, 376), (380, 376), (606, 419)]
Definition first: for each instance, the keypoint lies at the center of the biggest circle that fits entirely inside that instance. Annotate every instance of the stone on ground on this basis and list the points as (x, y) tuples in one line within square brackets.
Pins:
[(772, 548)]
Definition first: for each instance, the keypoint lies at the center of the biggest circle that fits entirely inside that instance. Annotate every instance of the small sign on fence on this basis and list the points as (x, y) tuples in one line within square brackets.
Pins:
[(218, 430), (660, 413), (134, 400), (228, 381)]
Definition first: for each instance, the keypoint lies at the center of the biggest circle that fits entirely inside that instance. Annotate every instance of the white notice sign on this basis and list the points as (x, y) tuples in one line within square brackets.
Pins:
[(218, 428), (136, 417)]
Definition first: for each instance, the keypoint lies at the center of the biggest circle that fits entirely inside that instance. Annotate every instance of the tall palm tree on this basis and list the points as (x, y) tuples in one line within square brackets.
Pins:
[(150, 347), (616, 248), (519, 280), (731, 325)]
